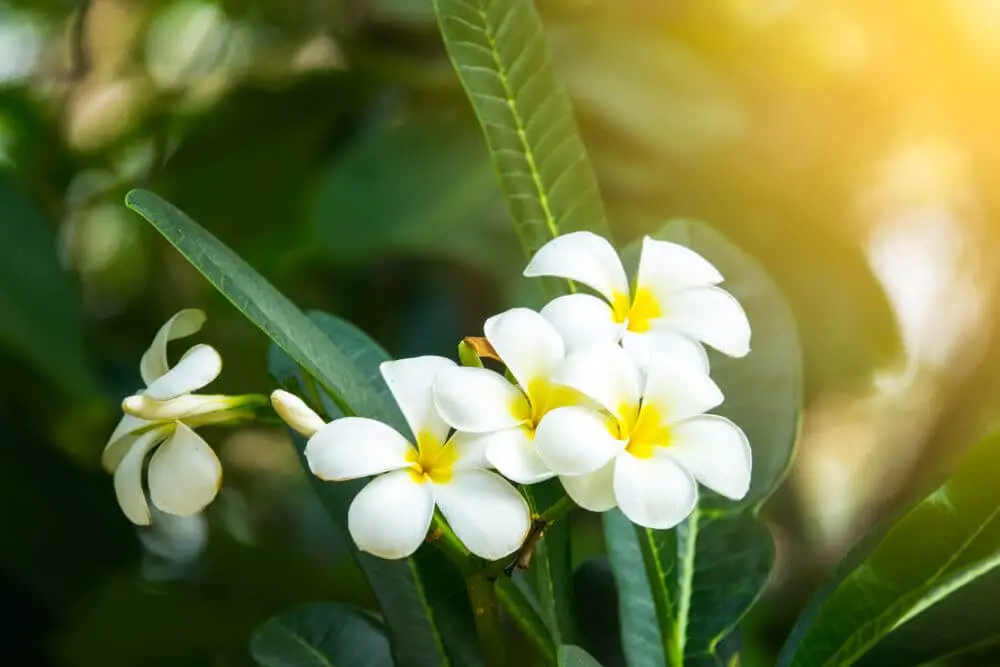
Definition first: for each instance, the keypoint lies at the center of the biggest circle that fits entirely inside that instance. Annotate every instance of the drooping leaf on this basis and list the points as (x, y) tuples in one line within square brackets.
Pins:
[(499, 51), (423, 598), (574, 656), (917, 588), (323, 634)]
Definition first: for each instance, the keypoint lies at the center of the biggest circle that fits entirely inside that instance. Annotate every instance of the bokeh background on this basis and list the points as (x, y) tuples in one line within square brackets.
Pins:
[(852, 147)]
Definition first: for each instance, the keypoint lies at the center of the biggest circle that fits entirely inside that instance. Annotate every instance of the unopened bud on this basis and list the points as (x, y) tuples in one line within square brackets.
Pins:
[(296, 413), (186, 406)]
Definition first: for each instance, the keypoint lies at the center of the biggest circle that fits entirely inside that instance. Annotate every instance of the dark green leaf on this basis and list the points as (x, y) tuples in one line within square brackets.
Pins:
[(574, 656), (323, 634), (423, 598), (498, 48), (923, 584), (520, 605)]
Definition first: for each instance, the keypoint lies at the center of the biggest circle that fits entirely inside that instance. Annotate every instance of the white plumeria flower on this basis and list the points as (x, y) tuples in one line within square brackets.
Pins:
[(645, 453), (391, 515), (505, 416), (675, 304), (184, 473)]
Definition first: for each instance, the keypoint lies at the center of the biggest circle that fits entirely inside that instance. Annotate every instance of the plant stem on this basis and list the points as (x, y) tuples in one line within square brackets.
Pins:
[(484, 609), (557, 511)]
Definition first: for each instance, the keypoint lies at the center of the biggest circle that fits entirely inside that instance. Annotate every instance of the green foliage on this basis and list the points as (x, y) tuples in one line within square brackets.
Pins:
[(574, 656), (915, 589), (324, 634)]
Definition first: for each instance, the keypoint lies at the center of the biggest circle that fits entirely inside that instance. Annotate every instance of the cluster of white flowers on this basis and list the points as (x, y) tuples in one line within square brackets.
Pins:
[(609, 395)]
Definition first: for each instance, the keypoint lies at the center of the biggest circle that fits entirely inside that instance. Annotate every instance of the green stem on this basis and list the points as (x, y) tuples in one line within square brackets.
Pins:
[(557, 511), (484, 608)]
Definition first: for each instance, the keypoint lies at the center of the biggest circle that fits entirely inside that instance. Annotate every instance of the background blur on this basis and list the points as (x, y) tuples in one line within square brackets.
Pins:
[(850, 146)]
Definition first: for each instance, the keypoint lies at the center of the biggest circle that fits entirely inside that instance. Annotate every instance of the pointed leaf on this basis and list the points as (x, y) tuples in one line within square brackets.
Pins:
[(574, 656)]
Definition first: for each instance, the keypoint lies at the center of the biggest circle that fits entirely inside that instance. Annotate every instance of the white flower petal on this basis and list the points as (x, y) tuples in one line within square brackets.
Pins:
[(199, 366), (154, 361), (667, 342), (582, 318), (294, 411), (654, 492), (512, 452), (711, 315), (121, 441), (478, 400), (715, 451), (594, 491), (182, 407), (390, 516), (666, 267), (411, 381), (470, 450), (677, 392), (527, 343), (584, 257), (485, 511), (575, 440), (184, 473), (604, 372), (354, 447), (128, 477)]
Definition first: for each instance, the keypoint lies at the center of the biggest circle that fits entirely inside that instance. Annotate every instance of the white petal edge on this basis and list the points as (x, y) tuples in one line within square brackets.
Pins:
[(581, 319), (677, 391), (470, 450), (667, 342), (154, 361), (527, 343), (390, 516), (411, 383), (666, 267), (584, 257), (120, 441), (199, 366), (594, 491), (715, 451), (128, 477), (478, 400), (354, 447), (575, 441), (485, 511), (294, 412), (512, 452), (605, 373), (184, 473), (654, 492), (711, 315)]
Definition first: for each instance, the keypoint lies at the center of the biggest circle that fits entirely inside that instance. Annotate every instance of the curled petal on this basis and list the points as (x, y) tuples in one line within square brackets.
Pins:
[(411, 382), (199, 366), (594, 491), (603, 372), (575, 441), (667, 342), (584, 257), (711, 315), (485, 511), (184, 473), (186, 406), (294, 411), (654, 492), (154, 361), (678, 392), (479, 400), (715, 451), (128, 476), (354, 447), (512, 452), (581, 319), (121, 441), (390, 516), (527, 343), (666, 267)]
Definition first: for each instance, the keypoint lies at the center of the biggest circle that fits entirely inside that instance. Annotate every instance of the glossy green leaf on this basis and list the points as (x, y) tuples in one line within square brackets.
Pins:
[(40, 318), (423, 598), (574, 656), (917, 588), (522, 608), (498, 48), (323, 634)]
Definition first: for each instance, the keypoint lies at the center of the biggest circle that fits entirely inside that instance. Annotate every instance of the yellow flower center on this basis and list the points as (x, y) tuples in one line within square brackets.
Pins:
[(541, 398), (645, 429), (637, 313), (432, 459)]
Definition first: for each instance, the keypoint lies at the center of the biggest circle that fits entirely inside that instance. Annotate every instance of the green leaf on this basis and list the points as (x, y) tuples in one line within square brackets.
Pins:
[(523, 610), (265, 306), (39, 314), (423, 598), (683, 591), (917, 588), (323, 634), (498, 48), (574, 656)]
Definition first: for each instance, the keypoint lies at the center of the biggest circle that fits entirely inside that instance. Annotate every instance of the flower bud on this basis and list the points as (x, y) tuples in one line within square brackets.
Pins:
[(299, 416), (182, 407)]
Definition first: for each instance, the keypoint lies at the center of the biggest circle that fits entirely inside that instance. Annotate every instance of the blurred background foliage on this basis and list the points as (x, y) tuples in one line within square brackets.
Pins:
[(850, 146)]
